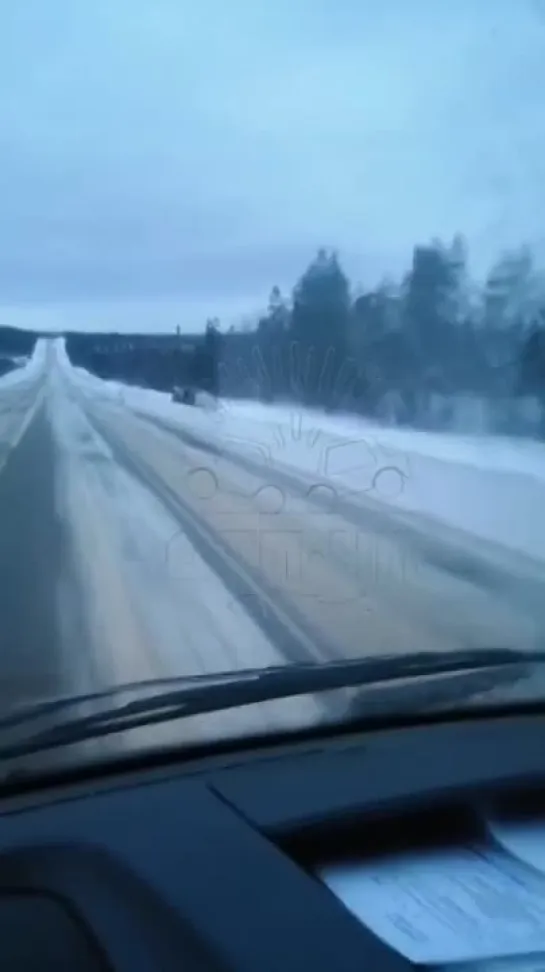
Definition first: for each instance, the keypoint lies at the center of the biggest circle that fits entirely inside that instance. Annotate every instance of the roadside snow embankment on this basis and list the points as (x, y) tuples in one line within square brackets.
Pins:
[(491, 487)]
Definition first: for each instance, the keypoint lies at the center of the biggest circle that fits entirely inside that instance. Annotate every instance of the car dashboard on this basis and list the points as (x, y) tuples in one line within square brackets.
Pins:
[(377, 850)]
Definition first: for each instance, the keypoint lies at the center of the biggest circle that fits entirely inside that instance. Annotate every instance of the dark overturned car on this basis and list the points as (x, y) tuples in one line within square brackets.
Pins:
[(183, 395)]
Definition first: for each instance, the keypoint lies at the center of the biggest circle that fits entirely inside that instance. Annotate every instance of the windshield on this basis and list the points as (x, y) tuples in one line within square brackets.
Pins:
[(272, 341)]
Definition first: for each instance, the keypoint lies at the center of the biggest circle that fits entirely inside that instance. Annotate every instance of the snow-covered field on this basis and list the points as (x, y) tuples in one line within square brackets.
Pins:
[(491, 487)]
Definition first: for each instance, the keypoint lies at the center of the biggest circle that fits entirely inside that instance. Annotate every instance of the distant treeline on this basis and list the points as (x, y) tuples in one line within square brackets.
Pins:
[(421, 351), (151, 361), (16, 343)]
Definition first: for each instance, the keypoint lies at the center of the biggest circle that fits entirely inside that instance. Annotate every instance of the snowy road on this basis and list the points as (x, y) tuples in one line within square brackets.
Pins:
[(136, 546)]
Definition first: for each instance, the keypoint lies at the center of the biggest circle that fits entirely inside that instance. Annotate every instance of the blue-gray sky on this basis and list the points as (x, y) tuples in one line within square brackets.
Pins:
[(163, 160)]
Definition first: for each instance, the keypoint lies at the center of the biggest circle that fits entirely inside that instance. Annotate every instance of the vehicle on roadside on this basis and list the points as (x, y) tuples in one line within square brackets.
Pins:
[(183, 395)]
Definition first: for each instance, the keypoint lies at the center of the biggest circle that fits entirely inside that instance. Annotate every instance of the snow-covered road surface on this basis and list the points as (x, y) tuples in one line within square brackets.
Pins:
[(146, 540), (326, 573)]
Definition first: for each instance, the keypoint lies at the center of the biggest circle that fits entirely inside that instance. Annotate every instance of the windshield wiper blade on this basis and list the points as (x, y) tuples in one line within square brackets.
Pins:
[(298, 678), (198, 695), (37, 710)]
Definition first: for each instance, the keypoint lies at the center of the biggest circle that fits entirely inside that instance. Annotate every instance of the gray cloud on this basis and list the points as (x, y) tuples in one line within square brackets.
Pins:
[(187, 156)]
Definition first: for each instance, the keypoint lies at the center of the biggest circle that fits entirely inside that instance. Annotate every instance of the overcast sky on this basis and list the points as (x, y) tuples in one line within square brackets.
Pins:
[(164, 160)]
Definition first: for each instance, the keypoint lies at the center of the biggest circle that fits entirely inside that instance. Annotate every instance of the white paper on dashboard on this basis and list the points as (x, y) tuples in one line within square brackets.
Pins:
[(526, 840), (515, 963), (447, 906)]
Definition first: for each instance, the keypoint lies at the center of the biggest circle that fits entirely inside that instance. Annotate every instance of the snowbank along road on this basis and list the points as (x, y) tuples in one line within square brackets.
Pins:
[(143, 538)]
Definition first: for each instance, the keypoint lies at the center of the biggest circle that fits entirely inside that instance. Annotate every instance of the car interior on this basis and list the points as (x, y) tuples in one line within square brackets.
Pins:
[(233, 857)]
